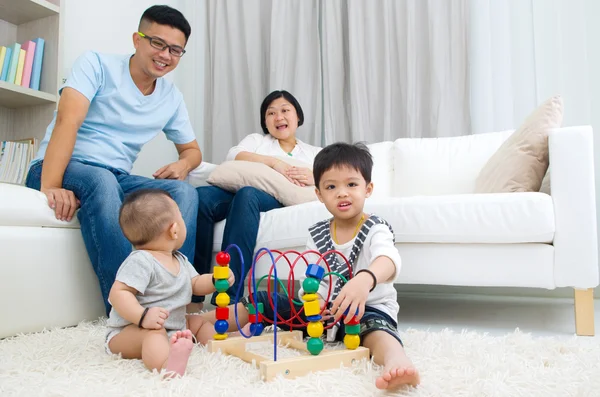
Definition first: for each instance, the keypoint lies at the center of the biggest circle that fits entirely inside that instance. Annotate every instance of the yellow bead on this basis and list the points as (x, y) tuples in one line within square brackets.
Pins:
[(351, 341), (222, 299), (221, 272), (310, 297), (220, 336), (315, 329), (311, 308)]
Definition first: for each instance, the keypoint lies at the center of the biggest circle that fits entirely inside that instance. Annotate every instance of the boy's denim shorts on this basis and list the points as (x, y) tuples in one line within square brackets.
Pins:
[(372, 320)]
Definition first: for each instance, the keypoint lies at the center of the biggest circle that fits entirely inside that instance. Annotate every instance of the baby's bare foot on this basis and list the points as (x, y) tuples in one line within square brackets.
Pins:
[(181, 348), (394, 377)]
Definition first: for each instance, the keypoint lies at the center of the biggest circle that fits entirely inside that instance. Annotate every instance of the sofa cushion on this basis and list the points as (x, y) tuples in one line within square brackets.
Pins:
[(436, 166), (521, 162), (234, 175), (469, 218), (22, 206)]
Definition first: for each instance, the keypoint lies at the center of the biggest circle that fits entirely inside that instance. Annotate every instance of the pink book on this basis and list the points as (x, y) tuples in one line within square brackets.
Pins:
[(29, 48)]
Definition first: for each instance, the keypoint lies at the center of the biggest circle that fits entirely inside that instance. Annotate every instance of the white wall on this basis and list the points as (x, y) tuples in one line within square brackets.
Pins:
[(107, 26)]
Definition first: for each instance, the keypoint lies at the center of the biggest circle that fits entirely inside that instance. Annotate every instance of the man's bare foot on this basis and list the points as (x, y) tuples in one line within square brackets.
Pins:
[(398, 375), (181, 348)]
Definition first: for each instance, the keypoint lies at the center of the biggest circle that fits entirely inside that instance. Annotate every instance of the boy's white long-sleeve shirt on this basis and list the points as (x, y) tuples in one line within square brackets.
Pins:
[(379, 242)]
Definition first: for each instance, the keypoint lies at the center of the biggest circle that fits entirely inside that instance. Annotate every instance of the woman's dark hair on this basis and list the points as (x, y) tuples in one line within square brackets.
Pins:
[(165, 15), (276, 95)]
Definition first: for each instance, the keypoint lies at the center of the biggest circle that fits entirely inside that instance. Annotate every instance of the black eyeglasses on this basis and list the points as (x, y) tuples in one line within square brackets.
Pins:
[(159, 44)]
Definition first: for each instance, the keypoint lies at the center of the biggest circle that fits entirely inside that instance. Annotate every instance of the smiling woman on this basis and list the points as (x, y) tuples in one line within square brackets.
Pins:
[(280, 116)]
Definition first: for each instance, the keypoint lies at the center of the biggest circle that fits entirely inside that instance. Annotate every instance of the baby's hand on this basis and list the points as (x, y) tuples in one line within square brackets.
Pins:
[(231, 278), (155, 318)]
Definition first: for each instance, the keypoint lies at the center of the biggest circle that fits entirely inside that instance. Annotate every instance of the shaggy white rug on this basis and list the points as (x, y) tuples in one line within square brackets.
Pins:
[(72, 362)]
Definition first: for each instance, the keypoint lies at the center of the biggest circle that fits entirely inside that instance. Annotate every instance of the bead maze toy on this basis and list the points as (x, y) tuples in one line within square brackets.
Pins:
[(318, 358)]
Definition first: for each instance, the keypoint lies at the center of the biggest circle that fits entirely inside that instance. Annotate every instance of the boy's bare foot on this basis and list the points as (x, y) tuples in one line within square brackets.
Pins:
[(401, 372), (181, 348)]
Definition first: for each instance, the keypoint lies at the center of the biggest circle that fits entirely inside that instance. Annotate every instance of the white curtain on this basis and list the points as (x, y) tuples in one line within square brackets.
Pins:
[(250, 48), (524, 51), (395, 69)]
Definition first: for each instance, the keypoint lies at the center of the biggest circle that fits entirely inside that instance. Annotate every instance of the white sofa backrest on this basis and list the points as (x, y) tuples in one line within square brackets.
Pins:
[(382, 175), (436, 166)]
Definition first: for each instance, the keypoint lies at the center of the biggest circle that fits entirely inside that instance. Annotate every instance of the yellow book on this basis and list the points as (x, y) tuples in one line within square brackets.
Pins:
[(2, 56), (20, 65)]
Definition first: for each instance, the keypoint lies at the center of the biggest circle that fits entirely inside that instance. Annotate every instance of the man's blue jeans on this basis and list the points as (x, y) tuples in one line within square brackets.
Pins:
[(101, 190), (242, 211)]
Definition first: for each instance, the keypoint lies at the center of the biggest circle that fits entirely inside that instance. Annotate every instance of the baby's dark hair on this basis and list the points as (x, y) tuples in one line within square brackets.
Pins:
[(145, 214), (338, 155)]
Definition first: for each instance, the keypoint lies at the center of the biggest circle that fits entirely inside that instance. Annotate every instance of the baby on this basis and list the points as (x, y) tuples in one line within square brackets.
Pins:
[(153, 286)]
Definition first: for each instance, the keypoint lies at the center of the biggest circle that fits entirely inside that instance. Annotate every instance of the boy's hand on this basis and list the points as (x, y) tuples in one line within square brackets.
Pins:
[(353, 297), (155, 318)]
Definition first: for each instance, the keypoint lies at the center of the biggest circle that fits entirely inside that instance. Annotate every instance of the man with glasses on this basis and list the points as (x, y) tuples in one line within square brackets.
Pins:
[(110, 106)]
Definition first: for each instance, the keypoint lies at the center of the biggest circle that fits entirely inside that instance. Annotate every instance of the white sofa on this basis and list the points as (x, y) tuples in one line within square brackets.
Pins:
[(446, 235)]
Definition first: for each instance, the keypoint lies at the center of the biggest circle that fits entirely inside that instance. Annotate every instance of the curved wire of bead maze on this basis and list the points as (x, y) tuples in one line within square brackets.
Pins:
[(319, 358)]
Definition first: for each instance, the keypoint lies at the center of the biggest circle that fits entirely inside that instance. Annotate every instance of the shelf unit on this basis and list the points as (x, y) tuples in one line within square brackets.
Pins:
[(24, 112)]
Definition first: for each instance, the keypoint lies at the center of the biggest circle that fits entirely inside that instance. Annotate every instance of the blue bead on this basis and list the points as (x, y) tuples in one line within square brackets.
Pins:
[(346, 312), (316, 317), (315, 271), (221, 326), (256, 329)]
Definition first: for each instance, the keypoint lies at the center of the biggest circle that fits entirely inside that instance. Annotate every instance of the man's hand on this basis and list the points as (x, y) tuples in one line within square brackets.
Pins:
[(155, 318), (62, 201), (303, 175), (177, 170), (353, 297)]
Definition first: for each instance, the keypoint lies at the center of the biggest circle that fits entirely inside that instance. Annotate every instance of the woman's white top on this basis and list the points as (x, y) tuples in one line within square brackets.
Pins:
[(266, 145)]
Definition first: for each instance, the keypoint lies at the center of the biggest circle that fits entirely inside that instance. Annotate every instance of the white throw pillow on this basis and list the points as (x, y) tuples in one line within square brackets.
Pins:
[(234, 175)]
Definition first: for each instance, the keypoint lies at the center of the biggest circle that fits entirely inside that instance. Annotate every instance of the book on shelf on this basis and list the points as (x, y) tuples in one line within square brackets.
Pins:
[(22, 63), (15, 157), (6, 64)]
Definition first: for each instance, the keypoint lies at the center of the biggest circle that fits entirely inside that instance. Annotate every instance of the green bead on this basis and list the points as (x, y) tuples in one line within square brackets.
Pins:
[(352, 329), (314, 346), (261, 308), (222, 285), (310, 285)]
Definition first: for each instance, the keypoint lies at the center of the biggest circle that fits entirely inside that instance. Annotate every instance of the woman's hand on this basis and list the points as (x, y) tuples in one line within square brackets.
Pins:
[(283, 168), (303, 175)]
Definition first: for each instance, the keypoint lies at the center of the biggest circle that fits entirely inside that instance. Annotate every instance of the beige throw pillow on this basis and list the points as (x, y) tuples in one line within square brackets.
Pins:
[(234, 175), (521, 162)]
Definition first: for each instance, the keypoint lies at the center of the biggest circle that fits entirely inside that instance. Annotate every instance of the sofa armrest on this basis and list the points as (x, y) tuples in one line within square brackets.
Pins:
[(199, 175), (574, 195)]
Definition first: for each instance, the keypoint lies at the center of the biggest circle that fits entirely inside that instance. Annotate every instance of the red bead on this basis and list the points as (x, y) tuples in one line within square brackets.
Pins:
[(252, 318), (222, 313), (223, 258), (354, 321)]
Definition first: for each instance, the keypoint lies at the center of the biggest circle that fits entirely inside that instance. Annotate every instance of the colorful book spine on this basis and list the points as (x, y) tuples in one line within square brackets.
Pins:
[(29, 48), (36, 69), (2, 57), (4, 70), (20, 65), (14, 61)]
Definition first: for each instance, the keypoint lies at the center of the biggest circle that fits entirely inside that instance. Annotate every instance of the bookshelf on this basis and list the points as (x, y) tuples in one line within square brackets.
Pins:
[(25, 112)]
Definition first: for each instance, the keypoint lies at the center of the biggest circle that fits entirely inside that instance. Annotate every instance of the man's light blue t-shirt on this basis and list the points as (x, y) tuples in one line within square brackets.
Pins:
[(120, 119)]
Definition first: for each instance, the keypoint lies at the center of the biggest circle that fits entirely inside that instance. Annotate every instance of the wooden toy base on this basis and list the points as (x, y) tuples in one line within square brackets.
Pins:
[(290, 367)]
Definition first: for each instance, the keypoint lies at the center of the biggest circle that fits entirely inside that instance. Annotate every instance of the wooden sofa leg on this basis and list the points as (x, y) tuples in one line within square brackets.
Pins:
[(584, 312)]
